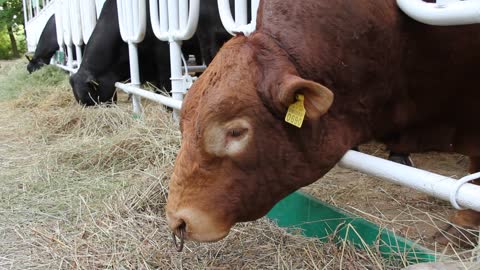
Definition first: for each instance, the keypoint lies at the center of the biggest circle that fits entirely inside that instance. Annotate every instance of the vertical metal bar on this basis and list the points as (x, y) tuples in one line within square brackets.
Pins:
[(134, 76), (175, 54), (241, 12), (183, 16), (78, 51), (29, 11), (69, 56), (135, 19), (163, 15), (25, 14), (255, 4), (130, 16), (37, 7)]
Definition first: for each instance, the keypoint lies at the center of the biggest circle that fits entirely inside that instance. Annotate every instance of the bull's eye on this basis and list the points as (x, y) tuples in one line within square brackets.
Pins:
[(228, 139), (236, 132)]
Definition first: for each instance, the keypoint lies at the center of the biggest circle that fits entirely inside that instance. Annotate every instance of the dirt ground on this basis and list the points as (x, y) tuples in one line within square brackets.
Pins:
[(405, 211)]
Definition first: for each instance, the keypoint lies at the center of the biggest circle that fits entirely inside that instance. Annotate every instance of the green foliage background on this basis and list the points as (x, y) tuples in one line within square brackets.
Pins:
[(11, 8), (5, 47)]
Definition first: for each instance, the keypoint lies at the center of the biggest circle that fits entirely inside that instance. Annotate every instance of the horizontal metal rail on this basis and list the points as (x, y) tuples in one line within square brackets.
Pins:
[(195, 68), (436, 185), (67, 68), (167, 101)]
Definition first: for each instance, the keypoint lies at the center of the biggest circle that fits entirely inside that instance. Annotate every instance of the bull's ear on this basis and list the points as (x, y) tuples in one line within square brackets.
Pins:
[(317, 98), (28, 58)]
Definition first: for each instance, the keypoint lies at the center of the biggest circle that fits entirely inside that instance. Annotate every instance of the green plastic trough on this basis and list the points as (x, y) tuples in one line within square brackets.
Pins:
[(318, 219)]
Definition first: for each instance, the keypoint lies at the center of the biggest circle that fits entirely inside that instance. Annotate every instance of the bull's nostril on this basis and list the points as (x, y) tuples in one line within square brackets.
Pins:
[(180, 231), (182, 226)]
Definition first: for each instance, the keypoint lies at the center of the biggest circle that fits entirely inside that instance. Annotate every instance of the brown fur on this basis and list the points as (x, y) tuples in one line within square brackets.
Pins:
[(393, 80)]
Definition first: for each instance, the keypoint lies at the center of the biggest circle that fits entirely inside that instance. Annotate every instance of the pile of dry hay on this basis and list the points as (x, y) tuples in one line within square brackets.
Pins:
[(86, 188)]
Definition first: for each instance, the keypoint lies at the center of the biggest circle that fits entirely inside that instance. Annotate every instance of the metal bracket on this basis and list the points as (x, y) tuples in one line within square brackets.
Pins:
[(188, 81), (458, 185)]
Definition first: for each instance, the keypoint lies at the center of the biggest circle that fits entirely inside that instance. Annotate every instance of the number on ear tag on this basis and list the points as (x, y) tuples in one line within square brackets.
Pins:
[(296, 112)]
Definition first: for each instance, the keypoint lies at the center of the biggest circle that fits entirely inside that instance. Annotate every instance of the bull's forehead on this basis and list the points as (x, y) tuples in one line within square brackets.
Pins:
[(226, 89)]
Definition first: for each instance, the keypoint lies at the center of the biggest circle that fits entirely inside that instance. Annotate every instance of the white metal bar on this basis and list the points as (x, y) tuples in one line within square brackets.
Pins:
[(238, 25), (195, 68), (25, 14), (29, 11), (175, 21), (78, 51), (167, 101), (183, 16), (36, 7), (70, 56), (175, 53), (442, 13), (163, 16), (255, 4), (59, 23), (69, 69), (75, 22), (435, 185), (99, 6), (67, 30), (241, 12), (226, 16), (132, 30), (88, 12), (134, 75), (192, 23), (132, 21)]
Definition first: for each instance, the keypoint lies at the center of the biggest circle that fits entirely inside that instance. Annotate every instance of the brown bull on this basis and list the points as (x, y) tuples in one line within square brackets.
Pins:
[(366, 71)]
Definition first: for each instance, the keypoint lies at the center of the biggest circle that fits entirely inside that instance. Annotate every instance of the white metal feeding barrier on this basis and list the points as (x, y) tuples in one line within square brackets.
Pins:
[(62, 21), (133, 23), (443, 12), (75, 21), (174, 22), (36, 15)]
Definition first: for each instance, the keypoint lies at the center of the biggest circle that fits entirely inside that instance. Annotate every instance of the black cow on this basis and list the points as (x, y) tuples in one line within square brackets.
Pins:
[(106, 55), (46, 47)]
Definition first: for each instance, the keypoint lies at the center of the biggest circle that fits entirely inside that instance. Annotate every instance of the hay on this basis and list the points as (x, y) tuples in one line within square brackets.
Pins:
[(15, 81), (85, 188)]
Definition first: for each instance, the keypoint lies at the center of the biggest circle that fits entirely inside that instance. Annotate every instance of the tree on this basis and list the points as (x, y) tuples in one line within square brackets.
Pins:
[(11, 16)]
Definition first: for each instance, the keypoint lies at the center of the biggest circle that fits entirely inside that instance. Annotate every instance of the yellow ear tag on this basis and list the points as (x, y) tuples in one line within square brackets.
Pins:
[(296, 112)]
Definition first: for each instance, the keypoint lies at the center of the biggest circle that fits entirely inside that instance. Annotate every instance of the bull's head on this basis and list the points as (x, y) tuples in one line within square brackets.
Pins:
[(34, 64), (238, 155), (90, 91)]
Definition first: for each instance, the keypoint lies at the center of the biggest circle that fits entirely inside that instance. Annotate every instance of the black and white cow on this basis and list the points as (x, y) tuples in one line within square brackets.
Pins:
[(106, 55), (46, 47)]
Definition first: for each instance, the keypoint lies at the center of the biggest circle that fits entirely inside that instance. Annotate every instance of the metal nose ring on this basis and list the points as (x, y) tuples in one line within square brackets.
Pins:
[(179, 246)]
